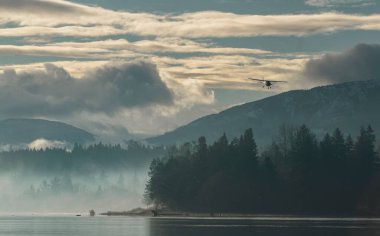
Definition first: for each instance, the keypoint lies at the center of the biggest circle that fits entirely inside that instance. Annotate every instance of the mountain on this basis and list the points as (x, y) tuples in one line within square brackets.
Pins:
[(17, 131), (346, 106)]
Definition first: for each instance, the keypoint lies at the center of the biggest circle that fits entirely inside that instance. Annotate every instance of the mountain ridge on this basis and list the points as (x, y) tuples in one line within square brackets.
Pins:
[(26, 130), (347, 106)]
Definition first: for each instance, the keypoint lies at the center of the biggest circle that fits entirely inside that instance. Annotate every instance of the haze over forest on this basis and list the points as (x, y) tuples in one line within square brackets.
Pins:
[(97, 95)]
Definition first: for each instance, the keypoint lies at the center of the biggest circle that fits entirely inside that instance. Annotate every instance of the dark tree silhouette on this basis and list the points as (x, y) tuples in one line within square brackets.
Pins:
[(297, 174)]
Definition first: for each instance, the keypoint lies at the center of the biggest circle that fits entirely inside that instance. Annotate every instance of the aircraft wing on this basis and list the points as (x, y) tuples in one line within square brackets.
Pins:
[(277, 81), (261, 80)]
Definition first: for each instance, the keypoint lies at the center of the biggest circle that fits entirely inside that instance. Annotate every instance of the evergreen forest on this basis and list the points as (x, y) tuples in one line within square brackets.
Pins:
[(296, 174)]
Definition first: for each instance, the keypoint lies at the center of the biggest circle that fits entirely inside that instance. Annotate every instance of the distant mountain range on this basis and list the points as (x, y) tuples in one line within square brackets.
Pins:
[(16, 131), (346, 106)]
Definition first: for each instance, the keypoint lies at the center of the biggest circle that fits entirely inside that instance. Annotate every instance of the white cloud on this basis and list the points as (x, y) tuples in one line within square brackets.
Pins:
[(122, 48), (63, 18), (46, 50), (47, 144), (335, 3), (211, 71), (73, 31), (37, 144), (232, 71)]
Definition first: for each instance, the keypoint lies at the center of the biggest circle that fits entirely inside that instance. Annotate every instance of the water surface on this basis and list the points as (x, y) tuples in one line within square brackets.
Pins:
[(145, 226)]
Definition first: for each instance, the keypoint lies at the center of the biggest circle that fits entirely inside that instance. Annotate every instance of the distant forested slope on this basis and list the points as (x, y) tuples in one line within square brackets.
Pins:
[(322, 109), (79, 160), (17, 131)]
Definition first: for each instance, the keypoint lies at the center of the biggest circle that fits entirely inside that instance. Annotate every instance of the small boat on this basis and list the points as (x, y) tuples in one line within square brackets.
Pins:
[(92, 213)]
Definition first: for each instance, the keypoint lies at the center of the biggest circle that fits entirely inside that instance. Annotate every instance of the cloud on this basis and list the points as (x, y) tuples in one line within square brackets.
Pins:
[(335, 3), (122, 48), (44, 6), (106, 89), (131, 85), (41, 143), (232, 71), (176, 45), (358, 63), (51, 12), (21, 18), (107, 99), (218, 24), (37, 144), (63, 31), (228, 71), (47, 50)]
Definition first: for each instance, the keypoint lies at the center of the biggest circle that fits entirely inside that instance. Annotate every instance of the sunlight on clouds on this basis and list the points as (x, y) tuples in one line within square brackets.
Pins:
[(231, 72), (47, 144), (92, 53), (124, 48), (56, 92), (47, 50), (192, 100), (207, 24), (218, 67), (214, 71), (63, 18)]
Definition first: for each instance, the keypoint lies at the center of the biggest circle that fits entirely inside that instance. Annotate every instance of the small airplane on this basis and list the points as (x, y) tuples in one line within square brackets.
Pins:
[(267, 83)]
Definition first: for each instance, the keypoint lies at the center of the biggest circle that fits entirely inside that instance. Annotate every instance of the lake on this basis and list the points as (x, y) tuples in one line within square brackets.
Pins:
[(145, 226)]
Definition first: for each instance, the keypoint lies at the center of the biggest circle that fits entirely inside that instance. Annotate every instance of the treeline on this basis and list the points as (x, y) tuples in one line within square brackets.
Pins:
[(66, 185), (80, 159), (297, 174)]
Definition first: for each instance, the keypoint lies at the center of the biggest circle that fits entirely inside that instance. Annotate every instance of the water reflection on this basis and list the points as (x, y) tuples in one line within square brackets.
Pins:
[(263, 227), (140, 226)]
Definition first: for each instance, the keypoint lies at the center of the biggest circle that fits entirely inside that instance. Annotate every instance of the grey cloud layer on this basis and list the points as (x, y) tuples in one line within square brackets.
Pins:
[(107, 89), (358, 63)]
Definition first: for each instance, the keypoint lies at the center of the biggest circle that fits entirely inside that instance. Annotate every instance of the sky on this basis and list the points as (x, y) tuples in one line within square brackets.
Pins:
[(145, 67)]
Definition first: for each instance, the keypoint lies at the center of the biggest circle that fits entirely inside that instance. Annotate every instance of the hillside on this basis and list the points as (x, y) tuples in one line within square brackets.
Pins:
[(16, 131), (347, 106)]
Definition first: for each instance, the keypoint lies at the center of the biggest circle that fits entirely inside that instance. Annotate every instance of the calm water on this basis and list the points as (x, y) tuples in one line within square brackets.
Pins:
[(109, 226)]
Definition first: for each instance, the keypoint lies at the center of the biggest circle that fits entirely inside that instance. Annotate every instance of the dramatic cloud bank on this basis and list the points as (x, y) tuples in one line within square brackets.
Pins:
[(106, 89), (358, 63), (107, 100)]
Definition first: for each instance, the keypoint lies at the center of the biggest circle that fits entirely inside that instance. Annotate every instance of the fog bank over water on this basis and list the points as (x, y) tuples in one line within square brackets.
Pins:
[(44, 194), (99, 177)]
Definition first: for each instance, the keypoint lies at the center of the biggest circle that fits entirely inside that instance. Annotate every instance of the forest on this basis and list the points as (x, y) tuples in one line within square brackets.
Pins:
[(297, 174), (80, 159)]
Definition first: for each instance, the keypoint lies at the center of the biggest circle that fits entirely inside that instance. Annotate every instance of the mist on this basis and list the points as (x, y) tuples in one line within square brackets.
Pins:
[(45, 194), (99, 177)]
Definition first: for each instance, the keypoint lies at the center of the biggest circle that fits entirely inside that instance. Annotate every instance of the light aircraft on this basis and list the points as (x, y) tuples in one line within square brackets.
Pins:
[(267, 83)]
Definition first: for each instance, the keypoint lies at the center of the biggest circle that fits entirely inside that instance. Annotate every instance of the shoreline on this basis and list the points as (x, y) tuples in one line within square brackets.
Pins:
[(139, 212), (173, 215)]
